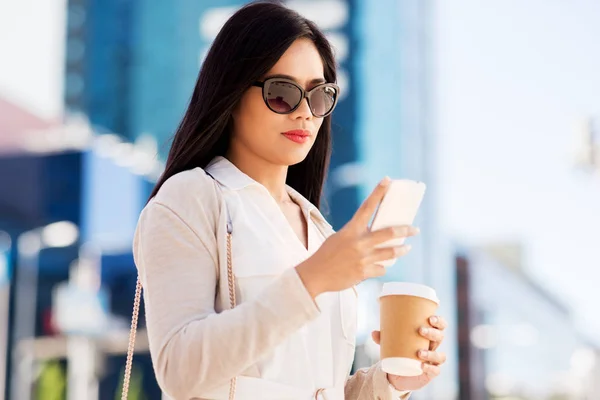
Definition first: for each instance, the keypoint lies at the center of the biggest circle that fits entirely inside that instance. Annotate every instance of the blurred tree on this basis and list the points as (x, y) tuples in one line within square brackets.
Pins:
[(52, 382), (135, 385)]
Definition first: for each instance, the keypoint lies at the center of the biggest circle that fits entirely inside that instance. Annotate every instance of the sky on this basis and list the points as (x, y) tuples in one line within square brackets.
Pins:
[(514, 81), (31, 54)]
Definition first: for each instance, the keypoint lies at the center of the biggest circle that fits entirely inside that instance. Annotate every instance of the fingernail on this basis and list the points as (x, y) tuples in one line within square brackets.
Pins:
[(423, 353), (385, 180), (416, 230), (424, 331), (408, 247), (433, 320)]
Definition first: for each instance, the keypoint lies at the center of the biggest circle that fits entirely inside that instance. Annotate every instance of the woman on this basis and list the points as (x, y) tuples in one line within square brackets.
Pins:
[(249, 159)]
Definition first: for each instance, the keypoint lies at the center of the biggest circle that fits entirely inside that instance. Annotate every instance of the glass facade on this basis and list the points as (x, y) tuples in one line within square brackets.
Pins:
[(516, 338)]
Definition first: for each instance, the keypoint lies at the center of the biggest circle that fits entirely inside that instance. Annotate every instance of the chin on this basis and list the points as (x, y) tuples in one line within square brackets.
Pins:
[(291, 158)]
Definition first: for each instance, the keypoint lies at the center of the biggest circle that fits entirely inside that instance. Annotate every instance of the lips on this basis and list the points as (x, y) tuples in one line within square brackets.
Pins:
[(297, 135), (298, 132)]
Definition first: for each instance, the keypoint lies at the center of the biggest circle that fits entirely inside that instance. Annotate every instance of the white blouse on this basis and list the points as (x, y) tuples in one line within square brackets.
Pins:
[(277, 341)]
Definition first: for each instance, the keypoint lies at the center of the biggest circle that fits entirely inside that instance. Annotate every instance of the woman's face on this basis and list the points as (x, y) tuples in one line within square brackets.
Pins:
[(274, 137)]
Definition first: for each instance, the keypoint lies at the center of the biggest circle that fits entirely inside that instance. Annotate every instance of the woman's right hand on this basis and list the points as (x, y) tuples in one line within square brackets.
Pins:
[(351, 255)]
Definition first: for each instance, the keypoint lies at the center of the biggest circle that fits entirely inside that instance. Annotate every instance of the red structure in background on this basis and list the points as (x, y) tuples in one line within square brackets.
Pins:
[(18, 124)]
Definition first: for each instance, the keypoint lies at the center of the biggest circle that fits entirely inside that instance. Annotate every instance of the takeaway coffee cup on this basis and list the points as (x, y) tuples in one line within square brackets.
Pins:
[(405, 307)]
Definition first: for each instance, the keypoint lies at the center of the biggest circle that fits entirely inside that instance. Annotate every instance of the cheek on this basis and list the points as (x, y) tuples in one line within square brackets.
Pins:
[(253, 112), (318, 124), (253, 118)]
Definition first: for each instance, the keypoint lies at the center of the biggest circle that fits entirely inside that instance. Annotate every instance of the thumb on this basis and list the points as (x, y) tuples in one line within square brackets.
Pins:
[(376, 335)]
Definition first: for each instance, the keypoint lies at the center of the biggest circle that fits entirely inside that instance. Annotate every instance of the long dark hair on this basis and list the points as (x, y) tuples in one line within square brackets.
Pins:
[(246, 48)]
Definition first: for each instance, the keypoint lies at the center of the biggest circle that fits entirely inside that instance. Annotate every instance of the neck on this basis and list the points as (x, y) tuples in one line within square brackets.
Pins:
[(271, 176)]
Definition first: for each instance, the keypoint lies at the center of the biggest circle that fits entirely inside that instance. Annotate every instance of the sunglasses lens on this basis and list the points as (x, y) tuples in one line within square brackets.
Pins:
[(282, 97), (322, 100)]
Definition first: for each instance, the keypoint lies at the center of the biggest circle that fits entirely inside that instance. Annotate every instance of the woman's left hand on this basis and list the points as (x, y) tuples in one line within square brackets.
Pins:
[(432, 360)]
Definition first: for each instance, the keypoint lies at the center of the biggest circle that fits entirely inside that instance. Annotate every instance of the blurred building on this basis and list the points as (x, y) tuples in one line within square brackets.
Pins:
[(58, 193), (396, 133), (516, 339), (18, 126), (131, 67), (98, 58)]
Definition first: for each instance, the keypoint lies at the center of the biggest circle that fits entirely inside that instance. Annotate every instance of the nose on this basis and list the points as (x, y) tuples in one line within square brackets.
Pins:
[(303, 111)]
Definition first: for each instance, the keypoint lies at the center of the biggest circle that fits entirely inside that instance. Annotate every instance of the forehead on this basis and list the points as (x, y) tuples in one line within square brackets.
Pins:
[(301, 61)]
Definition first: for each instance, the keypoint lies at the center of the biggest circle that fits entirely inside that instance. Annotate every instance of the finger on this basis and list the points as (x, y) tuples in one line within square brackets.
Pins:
[(364, 213), (374, 271), (431, 370), (383, 235), (388, 253), (438, 322), (376, 335), (433, 334), (432, 357)]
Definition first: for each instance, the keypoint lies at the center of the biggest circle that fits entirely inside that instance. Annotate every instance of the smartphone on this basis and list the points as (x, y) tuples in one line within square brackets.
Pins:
[(399, 206)]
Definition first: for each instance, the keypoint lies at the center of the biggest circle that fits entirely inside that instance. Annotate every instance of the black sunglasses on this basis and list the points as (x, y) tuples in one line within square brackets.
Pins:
[(283, 96)]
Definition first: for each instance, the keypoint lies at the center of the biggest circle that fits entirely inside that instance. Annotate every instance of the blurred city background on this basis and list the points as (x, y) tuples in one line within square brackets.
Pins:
[(494, 104)]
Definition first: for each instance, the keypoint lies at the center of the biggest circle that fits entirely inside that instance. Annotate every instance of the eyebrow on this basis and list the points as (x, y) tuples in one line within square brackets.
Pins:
[(314, 81)]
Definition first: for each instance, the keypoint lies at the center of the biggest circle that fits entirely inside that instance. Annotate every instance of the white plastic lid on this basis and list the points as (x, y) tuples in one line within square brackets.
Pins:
[(402, 366), (409, 289)]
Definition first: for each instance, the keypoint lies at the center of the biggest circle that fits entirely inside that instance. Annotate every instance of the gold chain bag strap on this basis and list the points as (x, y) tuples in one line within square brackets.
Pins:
[(136, 311)]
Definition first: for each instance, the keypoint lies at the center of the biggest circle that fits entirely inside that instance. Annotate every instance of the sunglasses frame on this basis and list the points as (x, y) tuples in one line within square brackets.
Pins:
[(305, 94)]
